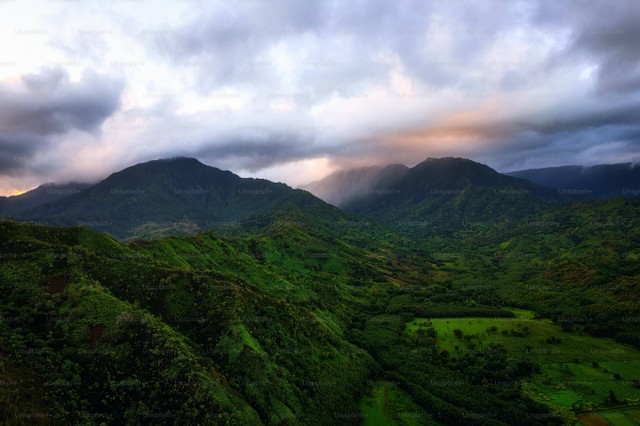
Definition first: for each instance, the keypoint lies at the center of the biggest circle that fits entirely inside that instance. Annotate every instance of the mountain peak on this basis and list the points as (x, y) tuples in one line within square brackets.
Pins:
[(452, 162), (186, 169), (157, 197), (180, 161), (451, 172)]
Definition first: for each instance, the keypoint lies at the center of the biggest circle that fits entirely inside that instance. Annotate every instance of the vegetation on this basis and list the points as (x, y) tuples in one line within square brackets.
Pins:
[(303, 314)]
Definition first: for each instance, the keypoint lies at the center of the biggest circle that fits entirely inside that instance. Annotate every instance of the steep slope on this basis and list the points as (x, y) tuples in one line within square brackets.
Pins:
[(283, 324), (347, 186), (193, 330), (167, 197), (443, 196), (92, 357), (602, 181)]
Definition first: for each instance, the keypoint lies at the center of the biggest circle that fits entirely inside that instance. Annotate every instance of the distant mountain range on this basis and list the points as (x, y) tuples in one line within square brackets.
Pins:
[(167, 197), (445, 195), (602, 181), (45, 193), (180, 196)]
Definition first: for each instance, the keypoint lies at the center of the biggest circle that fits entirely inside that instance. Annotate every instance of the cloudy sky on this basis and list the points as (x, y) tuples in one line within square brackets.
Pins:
[(291, 90)]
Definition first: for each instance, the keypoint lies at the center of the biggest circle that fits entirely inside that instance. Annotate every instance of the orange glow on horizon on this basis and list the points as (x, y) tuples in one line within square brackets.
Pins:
[(13, 192), (460, 131)]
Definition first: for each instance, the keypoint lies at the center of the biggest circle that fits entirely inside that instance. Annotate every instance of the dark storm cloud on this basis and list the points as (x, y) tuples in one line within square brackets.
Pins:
[(341, 46), (624, 116), (49, 105), (589, 147), (617, 46), (612, 135), (603, 32), (607, 133), (520, 82), (236, 46), (15, 152), (255, 153)]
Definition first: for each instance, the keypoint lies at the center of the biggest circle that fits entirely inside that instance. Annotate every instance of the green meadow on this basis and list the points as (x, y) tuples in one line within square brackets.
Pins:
[(539, 339), (576, 371), (612, 417)]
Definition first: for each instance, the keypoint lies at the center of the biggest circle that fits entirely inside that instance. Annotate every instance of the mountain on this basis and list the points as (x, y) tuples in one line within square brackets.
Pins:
[(45, 193), (300, 313), (182, 196), (602, 181), (305, 314), (576, 261), (346, 186), (449, 194), (193, 330), (168, 197), (282, 325)]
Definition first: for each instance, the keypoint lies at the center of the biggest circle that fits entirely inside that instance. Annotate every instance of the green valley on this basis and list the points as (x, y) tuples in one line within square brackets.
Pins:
[(302, 313)]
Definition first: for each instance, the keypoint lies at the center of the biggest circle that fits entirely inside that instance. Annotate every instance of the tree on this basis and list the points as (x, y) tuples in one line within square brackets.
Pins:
[(491, 330)]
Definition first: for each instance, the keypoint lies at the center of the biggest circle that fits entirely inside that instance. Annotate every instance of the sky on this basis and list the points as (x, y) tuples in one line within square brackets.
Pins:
[(292, 90)]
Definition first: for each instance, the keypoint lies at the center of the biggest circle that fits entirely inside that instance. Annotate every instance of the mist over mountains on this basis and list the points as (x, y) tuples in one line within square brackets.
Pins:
[(601, 181), (183, 196), (345, 186)]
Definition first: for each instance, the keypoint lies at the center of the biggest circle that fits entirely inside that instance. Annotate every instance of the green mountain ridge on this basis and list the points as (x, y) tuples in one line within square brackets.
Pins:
[(446, 195), (231, 329), (171, 196)]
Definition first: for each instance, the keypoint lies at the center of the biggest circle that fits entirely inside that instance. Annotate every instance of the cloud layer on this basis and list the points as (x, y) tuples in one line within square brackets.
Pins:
[(268, 87), (45, 107)]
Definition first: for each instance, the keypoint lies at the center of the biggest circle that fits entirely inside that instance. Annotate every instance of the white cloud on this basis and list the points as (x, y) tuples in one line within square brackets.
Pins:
[(287, 88)]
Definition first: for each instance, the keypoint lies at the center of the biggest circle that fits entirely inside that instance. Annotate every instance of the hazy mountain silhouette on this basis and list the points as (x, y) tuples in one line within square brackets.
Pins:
[(601, 181), (447, 194), (45, 193), (346, 186)]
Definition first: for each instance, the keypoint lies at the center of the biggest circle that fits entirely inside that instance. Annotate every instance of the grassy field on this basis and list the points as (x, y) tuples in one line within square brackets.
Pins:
[(537, 339), (578, 371), (389, 405), (571, 383), (612, 417)]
